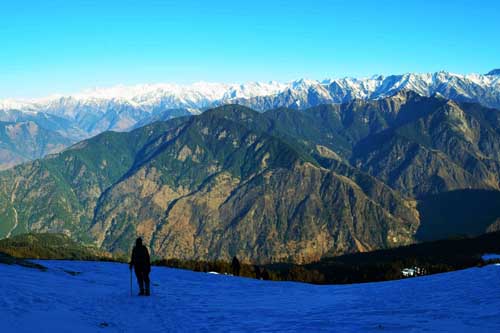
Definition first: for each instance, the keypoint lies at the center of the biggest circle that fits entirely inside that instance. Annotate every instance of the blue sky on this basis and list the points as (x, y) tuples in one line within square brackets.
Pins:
[(64, 46)]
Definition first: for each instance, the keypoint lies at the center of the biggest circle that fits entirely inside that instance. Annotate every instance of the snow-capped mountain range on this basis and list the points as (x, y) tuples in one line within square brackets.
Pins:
[(146, 97), (90, 112), (121, 107)]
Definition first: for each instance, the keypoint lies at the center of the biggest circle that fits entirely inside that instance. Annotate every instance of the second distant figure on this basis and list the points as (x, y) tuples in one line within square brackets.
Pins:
[(142, 266), (235, 266)]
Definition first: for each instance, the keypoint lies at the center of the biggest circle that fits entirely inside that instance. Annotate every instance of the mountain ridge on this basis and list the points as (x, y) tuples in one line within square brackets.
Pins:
[(205, 187), (201, 95), (122, 108), (494, 72), (282, 185)]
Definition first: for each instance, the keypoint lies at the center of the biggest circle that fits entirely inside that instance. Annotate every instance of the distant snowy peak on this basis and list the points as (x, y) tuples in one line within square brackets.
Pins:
[(205, 90), (301, 94), (146, 96)]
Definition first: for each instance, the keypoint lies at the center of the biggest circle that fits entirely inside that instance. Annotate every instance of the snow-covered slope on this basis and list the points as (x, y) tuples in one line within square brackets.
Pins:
[(97, 299)]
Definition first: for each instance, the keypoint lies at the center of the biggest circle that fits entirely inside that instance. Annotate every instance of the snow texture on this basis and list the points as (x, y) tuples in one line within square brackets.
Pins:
[(98, 300), (201, 95), (491, 256), (122, 108)]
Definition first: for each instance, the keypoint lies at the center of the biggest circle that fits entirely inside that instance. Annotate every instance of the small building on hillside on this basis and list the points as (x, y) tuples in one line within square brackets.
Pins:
[(412, 271)]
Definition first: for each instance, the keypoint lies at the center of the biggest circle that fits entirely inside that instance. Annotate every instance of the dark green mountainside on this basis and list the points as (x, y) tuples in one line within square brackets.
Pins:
[(283, 185), (453, 147)]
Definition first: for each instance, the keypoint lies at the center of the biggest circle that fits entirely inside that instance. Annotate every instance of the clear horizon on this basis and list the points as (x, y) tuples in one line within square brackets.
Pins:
[(63, 48)]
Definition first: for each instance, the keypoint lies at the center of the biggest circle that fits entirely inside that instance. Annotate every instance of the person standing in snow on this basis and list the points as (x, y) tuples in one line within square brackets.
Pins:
[(142, 266)]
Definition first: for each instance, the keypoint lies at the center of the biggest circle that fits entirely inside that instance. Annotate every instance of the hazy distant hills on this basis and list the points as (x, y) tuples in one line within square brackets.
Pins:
[(282, 185), (122, 108), (25, 140)]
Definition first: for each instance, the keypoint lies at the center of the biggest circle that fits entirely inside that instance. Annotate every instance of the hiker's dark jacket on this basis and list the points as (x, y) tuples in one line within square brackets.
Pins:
[(140, 259)]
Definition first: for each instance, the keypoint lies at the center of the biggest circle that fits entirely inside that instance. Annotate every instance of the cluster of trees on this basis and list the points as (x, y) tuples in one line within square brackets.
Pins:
[(430, 258), (219, 266), (50, 246)]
